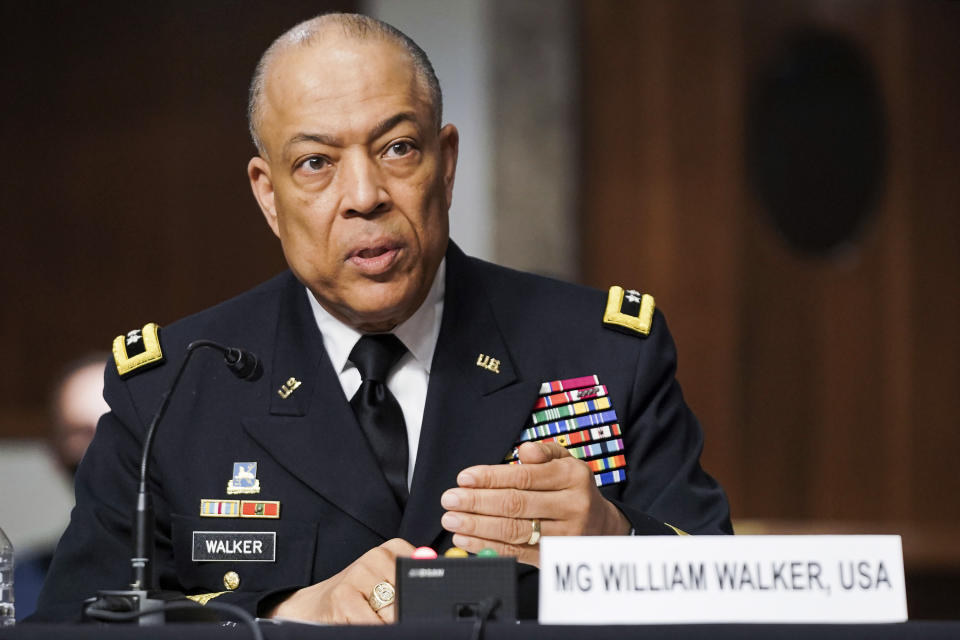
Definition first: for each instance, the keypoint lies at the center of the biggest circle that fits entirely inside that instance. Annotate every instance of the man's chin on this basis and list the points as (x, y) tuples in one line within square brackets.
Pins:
[(378, 313), (377, 323)]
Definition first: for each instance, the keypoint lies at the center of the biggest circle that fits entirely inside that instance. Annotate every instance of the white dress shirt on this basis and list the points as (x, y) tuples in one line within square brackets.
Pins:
[(409, 378)]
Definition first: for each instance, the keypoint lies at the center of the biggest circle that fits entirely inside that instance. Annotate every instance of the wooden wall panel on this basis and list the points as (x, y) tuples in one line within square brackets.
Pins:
[(898, 271), (125, 197), (935, 229), (827, 386), (658, 152)]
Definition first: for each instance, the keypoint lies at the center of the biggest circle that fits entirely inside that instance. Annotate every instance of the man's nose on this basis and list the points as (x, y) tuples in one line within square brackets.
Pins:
[(363, 189)]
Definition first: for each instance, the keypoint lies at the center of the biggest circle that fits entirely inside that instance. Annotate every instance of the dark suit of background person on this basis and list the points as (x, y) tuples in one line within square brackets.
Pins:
[(76, 404), (335, 504)]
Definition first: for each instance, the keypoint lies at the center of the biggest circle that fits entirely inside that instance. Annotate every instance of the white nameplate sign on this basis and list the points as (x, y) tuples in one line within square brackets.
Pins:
[(682, 579)]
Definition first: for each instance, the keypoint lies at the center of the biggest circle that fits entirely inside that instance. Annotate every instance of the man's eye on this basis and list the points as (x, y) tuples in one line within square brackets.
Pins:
[(398, 149), (315, 163)]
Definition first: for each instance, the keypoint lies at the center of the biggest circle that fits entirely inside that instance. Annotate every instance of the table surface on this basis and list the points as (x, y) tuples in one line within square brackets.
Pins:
[(494, 631)]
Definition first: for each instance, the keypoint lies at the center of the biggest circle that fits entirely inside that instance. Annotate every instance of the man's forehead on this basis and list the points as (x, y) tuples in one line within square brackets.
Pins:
[(338, 66), (335, 78)]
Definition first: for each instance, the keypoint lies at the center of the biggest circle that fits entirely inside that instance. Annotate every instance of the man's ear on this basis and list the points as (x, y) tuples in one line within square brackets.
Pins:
[(258, 170), (449, 151)]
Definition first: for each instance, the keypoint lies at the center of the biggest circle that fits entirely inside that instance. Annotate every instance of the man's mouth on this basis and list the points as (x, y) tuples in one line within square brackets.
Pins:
[(376, 259), (372, 253)]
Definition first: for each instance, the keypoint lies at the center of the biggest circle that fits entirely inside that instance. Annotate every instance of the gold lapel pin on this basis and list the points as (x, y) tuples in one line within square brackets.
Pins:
[(288, 387), (488, 363)]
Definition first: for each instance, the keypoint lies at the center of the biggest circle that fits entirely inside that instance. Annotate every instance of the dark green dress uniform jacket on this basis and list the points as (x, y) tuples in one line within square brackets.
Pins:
[(312, 457)]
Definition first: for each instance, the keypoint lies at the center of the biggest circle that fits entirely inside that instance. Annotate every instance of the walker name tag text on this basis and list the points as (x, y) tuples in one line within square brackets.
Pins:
[(234, 546), (682, 579)]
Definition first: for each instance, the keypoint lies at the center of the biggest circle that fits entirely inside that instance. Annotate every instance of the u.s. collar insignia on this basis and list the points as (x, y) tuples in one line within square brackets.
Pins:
[(288, 387), (488, 363), (244, 479), (137, 350), (629, 311)]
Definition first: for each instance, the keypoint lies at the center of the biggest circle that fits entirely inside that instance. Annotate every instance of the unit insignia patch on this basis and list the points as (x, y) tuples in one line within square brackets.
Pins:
[(244, 479)]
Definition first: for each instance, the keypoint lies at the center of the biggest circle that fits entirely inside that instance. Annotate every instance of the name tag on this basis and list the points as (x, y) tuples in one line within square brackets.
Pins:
[(718, 579), (234, 546)]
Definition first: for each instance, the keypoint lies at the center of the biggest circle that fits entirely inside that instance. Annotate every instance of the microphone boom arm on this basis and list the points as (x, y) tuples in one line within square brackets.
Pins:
[(246, 366)]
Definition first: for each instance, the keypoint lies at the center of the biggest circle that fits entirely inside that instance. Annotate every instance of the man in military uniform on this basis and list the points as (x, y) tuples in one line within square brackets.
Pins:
[(398, 377)]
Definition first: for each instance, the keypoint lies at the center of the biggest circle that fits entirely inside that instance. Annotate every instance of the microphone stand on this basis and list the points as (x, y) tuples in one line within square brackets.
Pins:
[(143, 596)]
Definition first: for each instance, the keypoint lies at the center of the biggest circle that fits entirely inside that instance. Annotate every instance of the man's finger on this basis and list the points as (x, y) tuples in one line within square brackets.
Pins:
[(356, 610), (381, 560), (516, 531), (375, 566), (399, 547), (509, 503), (541, 452), (388, 613), (526, 477), (522, 552), (351, 597)]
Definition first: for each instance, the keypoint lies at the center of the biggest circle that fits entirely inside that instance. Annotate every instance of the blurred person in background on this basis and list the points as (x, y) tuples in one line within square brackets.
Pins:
[(76, 404)]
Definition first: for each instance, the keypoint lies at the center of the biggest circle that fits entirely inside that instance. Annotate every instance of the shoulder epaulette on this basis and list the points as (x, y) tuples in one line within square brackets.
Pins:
[(137, 350), (629, 311)]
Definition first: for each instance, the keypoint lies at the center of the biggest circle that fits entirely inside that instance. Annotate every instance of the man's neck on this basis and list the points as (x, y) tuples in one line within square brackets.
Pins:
[(419, 332)]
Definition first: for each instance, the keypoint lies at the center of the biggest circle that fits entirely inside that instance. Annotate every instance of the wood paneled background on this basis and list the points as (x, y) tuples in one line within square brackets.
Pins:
[(124, 197), (828, 386)]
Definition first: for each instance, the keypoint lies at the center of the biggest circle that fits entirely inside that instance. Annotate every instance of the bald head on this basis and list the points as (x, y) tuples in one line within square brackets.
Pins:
[(312, 33)]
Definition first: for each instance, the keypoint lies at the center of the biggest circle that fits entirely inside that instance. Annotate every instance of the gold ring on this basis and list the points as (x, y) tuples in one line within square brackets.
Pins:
[(534, 532), (383, 595)]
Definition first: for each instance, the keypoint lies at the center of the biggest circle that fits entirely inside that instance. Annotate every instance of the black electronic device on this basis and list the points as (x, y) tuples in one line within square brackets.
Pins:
[(457, 589)]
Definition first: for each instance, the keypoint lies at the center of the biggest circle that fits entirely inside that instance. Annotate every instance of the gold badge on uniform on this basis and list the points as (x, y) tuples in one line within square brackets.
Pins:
[(288, 387), (488, 363), (629, 311), (244, 479), (138, 349), (231, 580)]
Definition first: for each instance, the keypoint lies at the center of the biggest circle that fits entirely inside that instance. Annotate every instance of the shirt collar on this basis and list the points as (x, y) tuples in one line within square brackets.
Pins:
[(418, 333)]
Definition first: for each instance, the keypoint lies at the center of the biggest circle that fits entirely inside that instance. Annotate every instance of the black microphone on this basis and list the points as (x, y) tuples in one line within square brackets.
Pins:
[(143, 596), (244, 364)]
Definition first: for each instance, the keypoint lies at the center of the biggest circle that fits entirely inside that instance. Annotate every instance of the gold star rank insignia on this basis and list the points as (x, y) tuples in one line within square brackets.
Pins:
[(629, 311), (137, 350)]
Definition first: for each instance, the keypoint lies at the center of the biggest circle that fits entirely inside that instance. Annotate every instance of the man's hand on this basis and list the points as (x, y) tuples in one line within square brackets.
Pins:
[(342, 599), (494, 505)]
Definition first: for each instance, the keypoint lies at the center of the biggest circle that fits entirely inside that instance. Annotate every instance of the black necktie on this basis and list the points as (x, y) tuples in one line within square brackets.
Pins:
[(378, 411)]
